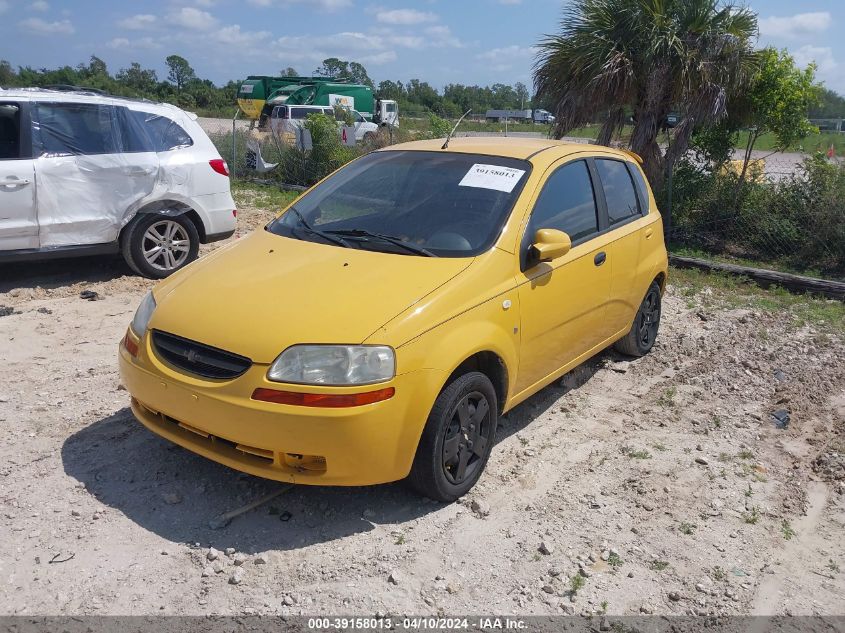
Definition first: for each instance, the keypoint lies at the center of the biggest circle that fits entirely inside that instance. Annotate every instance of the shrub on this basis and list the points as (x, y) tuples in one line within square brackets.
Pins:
[(796, 222)]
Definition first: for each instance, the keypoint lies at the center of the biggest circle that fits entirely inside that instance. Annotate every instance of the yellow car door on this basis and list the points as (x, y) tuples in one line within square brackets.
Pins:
[(562, 302), (626, 207)]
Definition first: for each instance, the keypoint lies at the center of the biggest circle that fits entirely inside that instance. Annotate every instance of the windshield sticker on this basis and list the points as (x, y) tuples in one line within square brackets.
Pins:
[(492, 177)]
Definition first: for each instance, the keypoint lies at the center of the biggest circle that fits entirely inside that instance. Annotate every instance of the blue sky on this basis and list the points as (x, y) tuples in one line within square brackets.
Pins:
[(439, 41)]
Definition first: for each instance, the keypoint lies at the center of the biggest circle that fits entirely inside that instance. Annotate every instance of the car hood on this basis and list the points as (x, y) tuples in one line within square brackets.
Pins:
[(266, 292)]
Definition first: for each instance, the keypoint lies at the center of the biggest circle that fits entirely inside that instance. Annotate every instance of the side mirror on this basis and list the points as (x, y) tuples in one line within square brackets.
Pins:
[(550, 244)]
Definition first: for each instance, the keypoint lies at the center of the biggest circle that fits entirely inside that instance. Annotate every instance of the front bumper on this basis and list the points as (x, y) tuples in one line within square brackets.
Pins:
[(353, 446)]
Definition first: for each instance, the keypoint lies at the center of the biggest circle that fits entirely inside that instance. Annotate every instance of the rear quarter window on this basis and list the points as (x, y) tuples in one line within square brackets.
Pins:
[(166, 135), (620, 195)]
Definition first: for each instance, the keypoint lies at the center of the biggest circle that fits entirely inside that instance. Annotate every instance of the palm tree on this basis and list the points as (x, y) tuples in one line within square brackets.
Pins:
[(648, 58)]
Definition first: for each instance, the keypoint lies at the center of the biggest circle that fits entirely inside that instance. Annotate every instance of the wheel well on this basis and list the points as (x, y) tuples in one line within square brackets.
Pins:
[(661, 281), (489, 364), (163, 207)]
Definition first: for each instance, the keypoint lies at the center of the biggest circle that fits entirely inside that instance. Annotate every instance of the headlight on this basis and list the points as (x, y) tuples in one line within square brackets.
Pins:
[(334, 365), (143, 314)]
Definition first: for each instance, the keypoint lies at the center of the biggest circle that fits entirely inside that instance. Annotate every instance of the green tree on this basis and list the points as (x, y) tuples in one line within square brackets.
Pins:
[(347, 71), (8, 76), (391, 90), (777, 102), (830, 106), (137, 78), (522, 95), (290, 71), (179, 71), (652, 56)]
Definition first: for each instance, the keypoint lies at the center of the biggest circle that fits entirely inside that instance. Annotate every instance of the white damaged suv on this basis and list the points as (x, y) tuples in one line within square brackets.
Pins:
[(83, 173)]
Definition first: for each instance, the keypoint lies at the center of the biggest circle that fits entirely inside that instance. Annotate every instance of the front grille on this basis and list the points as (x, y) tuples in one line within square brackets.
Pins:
[(196, 358)]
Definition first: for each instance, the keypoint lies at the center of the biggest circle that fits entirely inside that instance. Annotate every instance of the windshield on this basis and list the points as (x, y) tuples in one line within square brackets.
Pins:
[(428, 203)]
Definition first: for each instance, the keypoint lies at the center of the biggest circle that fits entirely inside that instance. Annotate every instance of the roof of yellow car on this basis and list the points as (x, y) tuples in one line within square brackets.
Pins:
[(511, 147)]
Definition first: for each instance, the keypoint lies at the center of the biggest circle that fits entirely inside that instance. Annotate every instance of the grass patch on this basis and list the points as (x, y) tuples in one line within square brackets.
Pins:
[(732, 291), (614, 560), (667, 398), (268, 197), (751, 517), (576, 583), (718, 574), (787, 530), (635, 453), (658, 565), (687, 528)]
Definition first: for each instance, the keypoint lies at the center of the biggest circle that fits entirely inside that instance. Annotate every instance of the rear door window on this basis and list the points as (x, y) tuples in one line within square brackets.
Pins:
[(567, 204), (619, 191), (66, 129), (133, 133), (10, 131), (302, 113), (166, 135)]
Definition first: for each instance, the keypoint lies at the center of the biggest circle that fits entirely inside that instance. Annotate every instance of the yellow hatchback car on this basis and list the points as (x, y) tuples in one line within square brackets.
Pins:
[(381, 325)]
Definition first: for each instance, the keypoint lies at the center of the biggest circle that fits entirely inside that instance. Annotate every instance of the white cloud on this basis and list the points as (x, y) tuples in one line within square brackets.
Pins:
[(39, 5), (821, 55), (234, 35), (507, 52), (795, 26), (139, 22), (325, 5), (122, 43), (505, 58), (193, 19), (441, 36), (510, 1), (42, 27), (366, 48), (404, 17)]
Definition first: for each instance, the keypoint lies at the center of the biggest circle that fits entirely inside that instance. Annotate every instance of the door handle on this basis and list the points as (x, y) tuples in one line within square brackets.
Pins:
[(17, 182), (649, 233), (600, 258)]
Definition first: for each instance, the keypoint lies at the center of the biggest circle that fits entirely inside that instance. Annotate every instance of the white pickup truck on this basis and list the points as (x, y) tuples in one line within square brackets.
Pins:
[(285, 118)]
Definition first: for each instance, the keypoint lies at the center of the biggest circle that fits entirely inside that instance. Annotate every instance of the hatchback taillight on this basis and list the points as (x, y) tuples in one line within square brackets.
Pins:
[(219, 165)]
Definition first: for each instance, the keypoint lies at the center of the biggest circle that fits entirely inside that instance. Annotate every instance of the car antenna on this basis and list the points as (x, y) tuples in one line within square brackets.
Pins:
[(449, 137)]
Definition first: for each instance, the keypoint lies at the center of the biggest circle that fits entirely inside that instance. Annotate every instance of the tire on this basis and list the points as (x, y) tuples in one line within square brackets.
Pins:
[(370, 137), (643, 333), (454, 449), (177, 236)]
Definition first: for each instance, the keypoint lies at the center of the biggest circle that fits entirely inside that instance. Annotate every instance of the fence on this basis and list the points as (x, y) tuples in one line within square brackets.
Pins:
[(787, 214)]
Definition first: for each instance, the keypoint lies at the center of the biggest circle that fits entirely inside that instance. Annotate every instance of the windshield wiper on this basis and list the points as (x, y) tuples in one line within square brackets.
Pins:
[(413, 248), (318, 232)]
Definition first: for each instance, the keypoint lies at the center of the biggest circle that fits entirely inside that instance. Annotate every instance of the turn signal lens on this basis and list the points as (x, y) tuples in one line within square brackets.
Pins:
[(326, 400), (130, 345)]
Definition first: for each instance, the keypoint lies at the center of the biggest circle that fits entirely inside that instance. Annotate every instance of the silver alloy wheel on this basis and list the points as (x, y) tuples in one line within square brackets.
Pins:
[(166, 245)]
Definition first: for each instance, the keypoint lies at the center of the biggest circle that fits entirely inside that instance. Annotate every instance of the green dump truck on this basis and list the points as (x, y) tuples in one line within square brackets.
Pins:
[(258, 95)]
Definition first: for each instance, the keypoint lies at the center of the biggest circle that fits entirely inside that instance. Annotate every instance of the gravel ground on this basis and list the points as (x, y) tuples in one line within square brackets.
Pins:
[(661, 485)]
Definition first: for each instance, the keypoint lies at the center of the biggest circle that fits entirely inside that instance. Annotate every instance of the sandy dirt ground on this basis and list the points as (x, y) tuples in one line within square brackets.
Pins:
[(661, 485)]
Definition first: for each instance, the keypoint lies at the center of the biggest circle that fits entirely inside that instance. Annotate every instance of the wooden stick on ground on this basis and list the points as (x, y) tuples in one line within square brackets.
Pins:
[(221, 521)]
